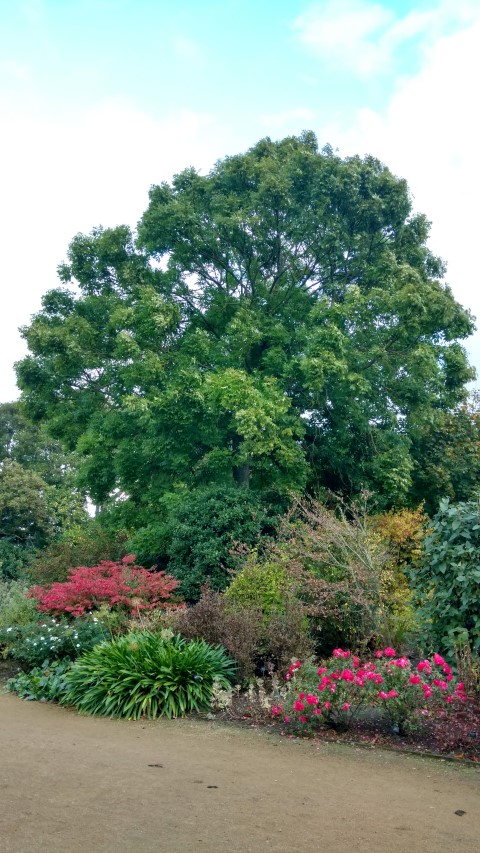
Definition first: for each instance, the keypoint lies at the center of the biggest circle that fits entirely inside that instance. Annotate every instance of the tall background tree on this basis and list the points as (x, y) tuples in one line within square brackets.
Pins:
[(278, 324)]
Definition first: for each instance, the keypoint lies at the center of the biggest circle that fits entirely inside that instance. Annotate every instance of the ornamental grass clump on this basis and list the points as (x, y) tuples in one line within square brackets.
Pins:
[(336, 693), (148, 675)]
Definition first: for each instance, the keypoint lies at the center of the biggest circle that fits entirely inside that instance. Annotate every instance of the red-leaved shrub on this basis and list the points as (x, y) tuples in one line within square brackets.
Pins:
[(120, 585)]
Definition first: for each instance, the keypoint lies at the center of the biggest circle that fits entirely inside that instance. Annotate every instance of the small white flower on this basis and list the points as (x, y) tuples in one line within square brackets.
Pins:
[(9, 629)]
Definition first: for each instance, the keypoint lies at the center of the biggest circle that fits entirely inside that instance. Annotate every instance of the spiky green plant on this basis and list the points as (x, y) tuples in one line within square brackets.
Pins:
[(145, 675)]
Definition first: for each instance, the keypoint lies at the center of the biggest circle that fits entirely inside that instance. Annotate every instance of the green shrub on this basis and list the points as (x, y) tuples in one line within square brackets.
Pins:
[(46, 684), (15, 608), (261, 583), (446, 582), (147, 675), (50, 639)]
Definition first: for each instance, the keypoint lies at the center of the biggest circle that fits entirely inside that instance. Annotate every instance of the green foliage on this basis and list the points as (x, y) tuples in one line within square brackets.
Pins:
[(48, 639), (45, 684), (14, 559), (38, 494), (280, 323), (24, 512), (147, 675), (446, 582), (204, 530), (446, 450), (15, 608), (82, 545), (263, 584)]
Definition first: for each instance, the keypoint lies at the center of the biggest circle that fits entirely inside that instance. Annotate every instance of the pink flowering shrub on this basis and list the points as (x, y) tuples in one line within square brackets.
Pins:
[(121, 585), (336, 692)]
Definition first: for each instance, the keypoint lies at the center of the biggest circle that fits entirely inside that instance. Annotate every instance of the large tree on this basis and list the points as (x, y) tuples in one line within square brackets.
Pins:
[(278, 323)]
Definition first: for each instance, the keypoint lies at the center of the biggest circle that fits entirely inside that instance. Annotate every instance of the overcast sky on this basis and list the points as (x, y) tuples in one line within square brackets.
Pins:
[(101, 98)]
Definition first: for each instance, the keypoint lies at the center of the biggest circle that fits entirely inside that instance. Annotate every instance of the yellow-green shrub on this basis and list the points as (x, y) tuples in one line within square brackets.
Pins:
[(261, 584)]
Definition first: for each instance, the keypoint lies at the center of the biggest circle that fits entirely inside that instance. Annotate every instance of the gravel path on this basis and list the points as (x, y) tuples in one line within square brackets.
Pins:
[(83, 785)]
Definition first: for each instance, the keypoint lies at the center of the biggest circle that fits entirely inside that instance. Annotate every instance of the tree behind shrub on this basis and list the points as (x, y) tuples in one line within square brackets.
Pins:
[(83, 545), (205, 528)]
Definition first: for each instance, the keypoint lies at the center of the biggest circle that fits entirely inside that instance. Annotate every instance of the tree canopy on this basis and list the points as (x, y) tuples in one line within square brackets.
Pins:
[(278, 324)]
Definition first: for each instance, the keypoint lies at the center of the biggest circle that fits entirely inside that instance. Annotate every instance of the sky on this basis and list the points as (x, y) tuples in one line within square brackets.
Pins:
[(100, 99)]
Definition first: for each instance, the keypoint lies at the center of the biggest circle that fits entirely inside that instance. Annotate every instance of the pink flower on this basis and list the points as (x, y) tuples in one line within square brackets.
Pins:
[(360, 681), (415, 679), (327, 705), (345, 706), (401, 662), (303, 719), (391, 694), (427, 691), (340, 653), (383, 695), (438, 660), (379, 654), (312, 700), (277, 709), (317, 710), (347, 675), (321, 670), (448, 698), (297, 664), (287, 677), (324, 682), (439, 683), (447, 669), (356, 662), (389, 652), (286, 719), (298, 706), (301, 695), (332, 688), (424, 666)]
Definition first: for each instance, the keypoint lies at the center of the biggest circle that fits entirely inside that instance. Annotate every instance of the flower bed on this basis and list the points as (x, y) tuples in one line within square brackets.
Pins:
[(345, 689), (385, 702)]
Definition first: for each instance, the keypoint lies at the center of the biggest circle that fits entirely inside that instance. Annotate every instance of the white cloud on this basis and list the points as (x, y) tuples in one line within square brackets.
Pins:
[(289, 120), (365, 37), (62, 177), (430, 135), (342, 32)]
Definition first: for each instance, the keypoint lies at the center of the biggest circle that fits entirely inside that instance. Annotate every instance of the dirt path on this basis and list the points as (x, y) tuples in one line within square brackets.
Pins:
[(82, 785)]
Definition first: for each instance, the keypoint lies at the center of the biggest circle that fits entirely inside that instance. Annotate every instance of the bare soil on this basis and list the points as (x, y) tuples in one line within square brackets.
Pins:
[(86, 785)]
